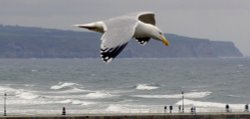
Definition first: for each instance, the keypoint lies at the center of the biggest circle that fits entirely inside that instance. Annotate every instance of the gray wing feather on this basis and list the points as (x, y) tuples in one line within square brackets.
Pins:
[(146, 17), (119, 32)]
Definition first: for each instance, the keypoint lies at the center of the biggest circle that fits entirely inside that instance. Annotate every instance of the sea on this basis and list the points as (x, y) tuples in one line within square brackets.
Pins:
[(137, 85)]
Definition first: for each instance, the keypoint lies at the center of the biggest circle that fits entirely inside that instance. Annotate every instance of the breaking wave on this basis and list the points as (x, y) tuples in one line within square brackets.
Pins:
[(209, 104), (26, 95), (192, 95), (67, 87), (127, 108), (20, 93), (145, 87), (73, 90), (116, 108), (76, 102), (62, 85), (7, 89), (98, 95)]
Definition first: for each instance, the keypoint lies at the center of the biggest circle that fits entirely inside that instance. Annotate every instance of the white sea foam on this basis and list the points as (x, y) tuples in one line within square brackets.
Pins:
[(88, 103), (99, 95), (7, 89), (192, 95), (197, 94), (61, 85), (65, 101), (26, 95), (27, 102), (76, 102), (39, 101), (73, 90), (68, 87), (20, 93), (209, 104), (145, 87), (116, 108), (89, 95), (236, 96)]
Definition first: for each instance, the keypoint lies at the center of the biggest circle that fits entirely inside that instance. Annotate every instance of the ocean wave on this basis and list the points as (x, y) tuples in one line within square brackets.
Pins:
[(235, 96), (187, 95), (197, 94), (121, 91), (209, 104), (27, 102), (26, 95), (62, 85), (73, 90), (145, 87), (42, 101), (7, 89), (116, 108), (98, 95), (76, 102), (68, 87), (20, 93), (75, 94)]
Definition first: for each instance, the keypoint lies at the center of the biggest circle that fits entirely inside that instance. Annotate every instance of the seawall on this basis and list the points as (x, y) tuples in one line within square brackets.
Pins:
[(138, 116)]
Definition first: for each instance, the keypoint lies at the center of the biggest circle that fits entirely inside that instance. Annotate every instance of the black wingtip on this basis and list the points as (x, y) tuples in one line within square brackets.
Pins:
[(109, 54)]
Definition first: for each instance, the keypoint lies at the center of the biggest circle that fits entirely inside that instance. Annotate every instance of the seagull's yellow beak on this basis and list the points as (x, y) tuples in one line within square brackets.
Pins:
[(164, 40)]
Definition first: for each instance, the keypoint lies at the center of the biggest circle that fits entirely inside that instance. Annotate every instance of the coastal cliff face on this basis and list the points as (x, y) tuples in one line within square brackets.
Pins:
[(186, 47), (29, 42)]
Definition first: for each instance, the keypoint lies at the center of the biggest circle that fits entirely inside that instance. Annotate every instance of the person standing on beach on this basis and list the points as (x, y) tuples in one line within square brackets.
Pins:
[(165, 109)]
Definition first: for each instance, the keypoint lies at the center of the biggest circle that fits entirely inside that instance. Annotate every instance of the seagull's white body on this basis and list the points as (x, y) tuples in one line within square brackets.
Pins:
[(119, 30)]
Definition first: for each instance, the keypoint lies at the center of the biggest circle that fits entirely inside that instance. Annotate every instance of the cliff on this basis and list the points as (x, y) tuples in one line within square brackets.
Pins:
[(30, 42)]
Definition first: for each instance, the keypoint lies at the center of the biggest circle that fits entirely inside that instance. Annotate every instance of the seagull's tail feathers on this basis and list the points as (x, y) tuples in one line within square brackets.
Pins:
[(87, 26), (95, 26)]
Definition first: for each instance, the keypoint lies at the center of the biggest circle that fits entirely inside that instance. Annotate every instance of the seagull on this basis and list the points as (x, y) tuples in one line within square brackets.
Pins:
[(118, 31)]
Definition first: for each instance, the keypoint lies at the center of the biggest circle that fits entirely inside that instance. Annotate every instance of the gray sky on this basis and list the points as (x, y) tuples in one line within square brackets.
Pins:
[(226, 20)]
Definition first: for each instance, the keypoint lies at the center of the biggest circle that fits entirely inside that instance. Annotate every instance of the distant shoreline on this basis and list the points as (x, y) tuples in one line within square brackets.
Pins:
[(29, 42)]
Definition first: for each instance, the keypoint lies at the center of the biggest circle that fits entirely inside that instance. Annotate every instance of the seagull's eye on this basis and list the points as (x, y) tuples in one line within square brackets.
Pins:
[(160, 33)]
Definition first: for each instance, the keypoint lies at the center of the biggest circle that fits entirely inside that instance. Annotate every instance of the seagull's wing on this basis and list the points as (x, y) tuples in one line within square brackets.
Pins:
[(119, 32), (145, 17)]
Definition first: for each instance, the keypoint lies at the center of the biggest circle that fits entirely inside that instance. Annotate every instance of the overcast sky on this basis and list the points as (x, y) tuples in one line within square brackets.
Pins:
[(226, 20)]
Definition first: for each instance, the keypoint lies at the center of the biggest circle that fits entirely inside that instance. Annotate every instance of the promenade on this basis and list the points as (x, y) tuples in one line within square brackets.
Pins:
[(138, 116)]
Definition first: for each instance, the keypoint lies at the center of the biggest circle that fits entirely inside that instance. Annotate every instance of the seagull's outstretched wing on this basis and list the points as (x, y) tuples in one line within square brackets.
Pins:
[(145, 17), (119, 32)]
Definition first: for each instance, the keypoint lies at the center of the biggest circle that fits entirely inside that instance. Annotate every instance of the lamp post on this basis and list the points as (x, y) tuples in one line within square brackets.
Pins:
[(4, 112), (182, 101)]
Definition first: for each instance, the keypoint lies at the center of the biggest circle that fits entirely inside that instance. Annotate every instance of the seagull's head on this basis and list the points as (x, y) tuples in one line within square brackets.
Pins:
[(158, 35)]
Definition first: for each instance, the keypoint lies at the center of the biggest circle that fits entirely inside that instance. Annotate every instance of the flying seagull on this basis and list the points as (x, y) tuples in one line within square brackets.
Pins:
[(119, 30)]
